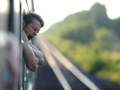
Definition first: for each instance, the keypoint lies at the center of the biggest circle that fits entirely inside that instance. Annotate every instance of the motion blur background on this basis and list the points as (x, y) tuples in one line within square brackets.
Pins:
[(87, 32)]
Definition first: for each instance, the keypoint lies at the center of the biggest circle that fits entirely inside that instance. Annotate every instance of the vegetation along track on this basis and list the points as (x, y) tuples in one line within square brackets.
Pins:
[(58, 73)]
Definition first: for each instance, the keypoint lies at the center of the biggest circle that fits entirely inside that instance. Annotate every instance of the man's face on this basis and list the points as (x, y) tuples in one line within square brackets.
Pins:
[(32, 29)]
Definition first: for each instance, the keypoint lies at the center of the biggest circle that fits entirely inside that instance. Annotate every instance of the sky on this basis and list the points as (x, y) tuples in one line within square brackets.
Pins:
[(53, 11)]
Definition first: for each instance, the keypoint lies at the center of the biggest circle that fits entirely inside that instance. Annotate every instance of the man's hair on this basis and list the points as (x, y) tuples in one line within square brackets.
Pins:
[(28, 18)]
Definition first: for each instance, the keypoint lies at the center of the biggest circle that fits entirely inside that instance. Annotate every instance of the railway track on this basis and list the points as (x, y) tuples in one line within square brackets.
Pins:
[(67, 75)]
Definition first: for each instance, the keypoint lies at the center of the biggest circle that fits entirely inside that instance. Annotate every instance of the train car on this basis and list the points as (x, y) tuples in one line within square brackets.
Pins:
[(11, 20)]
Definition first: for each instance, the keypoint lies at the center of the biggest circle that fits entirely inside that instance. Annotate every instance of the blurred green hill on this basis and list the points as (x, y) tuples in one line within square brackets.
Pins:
[(91, 40), (96, 16)]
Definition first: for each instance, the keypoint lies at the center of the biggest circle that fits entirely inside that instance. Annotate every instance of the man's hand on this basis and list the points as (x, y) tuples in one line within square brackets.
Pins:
[(38, 54)]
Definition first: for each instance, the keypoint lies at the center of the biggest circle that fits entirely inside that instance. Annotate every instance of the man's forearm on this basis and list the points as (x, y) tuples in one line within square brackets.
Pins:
[(30, 58), (39, 55)]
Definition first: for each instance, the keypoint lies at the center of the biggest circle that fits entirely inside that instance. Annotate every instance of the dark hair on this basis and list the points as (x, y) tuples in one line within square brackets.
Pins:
[(28, 18)]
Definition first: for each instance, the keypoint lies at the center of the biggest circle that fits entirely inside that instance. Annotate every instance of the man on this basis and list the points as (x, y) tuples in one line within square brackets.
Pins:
[(32, 23)]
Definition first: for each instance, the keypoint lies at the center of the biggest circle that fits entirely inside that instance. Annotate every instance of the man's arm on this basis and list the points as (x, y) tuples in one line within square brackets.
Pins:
[(30, 59), (38, 54)]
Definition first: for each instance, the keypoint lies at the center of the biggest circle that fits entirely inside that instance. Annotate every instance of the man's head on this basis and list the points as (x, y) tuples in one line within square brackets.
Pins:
[(32, 24)]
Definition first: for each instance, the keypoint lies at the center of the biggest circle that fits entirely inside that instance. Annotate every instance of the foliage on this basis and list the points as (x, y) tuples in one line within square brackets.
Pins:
[(83, 33), (90, 58), (103, 37), (91, 40), (96, 15)]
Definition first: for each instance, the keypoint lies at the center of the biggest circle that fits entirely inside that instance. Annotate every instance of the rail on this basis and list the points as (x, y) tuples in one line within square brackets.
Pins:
[(50, 50)]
